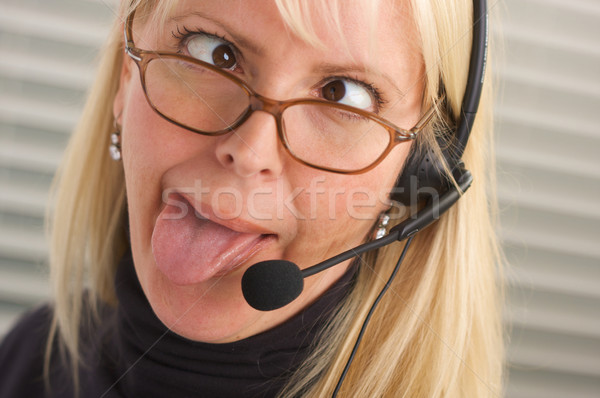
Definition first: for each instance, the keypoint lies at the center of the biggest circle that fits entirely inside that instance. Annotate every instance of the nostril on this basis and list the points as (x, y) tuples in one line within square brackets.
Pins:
[(253, 150)]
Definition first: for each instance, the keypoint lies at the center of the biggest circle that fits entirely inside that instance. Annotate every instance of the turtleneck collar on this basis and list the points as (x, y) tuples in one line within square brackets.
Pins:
[(152, 361)]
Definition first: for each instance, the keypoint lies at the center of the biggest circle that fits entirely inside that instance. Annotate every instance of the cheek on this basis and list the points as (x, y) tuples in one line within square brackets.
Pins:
[(145, 135), (141, 177), (338, 211), (141, 149), (149, 146), (358, 196)]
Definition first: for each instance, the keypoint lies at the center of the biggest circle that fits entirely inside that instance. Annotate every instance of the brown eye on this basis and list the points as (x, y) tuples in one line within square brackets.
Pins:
[(212, 49), (351, 93), (223, 57), (334, 91)]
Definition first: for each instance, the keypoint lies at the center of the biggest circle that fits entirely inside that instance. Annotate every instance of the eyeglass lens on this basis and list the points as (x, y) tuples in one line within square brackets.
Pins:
[(321, 135)]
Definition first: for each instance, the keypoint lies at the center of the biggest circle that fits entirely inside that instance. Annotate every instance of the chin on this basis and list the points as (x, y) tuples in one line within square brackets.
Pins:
[(212, 311)]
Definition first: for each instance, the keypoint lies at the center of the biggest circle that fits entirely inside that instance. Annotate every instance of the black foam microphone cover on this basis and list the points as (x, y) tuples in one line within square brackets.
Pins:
[(272, 284)]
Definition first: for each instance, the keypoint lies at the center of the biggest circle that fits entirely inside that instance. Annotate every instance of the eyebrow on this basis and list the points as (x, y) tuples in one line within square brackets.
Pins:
[(237, 38)]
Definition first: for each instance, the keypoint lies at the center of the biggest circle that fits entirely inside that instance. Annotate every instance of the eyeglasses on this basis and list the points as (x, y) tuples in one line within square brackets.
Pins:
[(208, 100)]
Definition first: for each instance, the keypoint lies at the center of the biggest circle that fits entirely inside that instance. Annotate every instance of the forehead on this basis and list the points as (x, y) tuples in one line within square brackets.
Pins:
[(378, 36)]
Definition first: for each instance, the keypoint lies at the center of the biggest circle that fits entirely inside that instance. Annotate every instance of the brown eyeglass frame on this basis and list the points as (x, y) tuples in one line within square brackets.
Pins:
[(276, 108)]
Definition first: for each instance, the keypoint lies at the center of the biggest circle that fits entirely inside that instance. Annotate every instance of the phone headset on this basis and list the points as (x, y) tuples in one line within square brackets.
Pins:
[(272, 284)]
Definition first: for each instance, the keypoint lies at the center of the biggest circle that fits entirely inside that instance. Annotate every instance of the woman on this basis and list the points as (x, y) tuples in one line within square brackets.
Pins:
[(149, 246)]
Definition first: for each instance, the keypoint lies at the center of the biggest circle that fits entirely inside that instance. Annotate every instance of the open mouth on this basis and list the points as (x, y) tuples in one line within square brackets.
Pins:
[(190, 245)]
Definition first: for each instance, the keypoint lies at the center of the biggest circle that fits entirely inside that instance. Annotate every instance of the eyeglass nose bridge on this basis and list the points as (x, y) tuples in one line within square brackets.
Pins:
[(275, 108), (260, 103)]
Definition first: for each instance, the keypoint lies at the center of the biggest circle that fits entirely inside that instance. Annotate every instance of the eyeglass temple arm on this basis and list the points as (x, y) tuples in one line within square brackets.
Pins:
[(127, 32), (427, 116)]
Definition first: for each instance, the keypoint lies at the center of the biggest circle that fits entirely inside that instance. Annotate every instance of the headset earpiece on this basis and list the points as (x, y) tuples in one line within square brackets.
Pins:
[(423, 175)]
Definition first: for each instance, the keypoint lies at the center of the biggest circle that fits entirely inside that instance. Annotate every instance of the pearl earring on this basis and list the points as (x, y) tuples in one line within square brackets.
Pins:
[(115, 146), (381, 230)]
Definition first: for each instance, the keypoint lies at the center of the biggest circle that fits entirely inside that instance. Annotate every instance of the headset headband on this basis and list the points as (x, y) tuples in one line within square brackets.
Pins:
[(476, 76)]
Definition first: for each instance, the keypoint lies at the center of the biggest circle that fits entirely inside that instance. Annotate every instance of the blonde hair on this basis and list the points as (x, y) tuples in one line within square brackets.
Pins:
[(436, 333)]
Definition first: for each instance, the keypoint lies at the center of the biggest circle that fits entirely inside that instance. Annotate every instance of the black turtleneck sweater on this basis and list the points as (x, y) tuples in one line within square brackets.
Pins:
[(130, 353)]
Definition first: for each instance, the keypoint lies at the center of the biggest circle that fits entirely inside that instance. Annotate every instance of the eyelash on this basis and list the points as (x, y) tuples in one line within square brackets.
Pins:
[(375, 92), (377, 95), (182, 36)]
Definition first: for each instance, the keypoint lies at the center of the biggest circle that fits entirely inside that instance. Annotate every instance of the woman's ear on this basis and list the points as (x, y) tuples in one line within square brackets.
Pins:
[(124, 82)]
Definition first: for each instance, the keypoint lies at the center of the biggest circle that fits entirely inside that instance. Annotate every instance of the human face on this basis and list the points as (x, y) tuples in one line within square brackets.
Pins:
[(203, 209)]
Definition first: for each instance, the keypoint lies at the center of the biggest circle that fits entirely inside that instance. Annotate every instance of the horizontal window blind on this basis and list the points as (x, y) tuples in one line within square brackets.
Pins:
[(48, 51), (548, 138), (548, 134)]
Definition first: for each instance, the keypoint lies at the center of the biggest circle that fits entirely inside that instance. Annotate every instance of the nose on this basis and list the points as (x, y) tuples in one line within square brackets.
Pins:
[(253, 148)]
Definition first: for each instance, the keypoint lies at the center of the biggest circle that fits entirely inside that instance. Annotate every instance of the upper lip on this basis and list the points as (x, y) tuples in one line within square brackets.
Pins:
[(236, 224)]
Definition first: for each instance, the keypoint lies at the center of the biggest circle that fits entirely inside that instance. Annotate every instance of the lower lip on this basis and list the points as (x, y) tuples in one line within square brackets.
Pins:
[(246, 252)]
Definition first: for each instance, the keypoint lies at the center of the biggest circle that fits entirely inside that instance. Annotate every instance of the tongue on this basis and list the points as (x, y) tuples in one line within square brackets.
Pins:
[(190, 249)]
